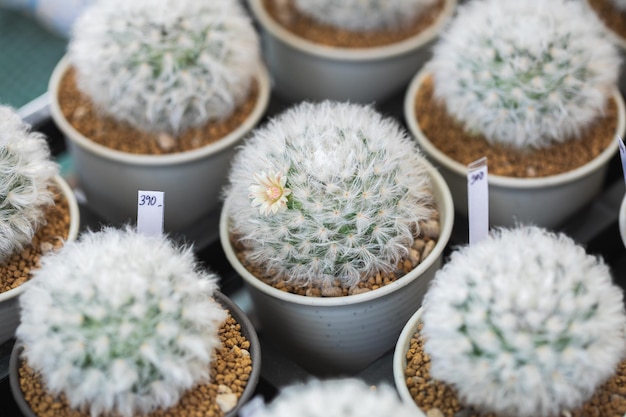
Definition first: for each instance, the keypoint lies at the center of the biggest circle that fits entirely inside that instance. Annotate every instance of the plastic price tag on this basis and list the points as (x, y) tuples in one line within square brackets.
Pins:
[(477, 200), (150, 212)]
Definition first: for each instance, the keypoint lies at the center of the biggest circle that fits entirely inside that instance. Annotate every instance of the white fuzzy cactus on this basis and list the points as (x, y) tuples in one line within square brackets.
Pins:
[(525, 73), (524, 323), (363, 15), (165, 65), (26, 175), (120, 322), (344, 397), (328, 190)]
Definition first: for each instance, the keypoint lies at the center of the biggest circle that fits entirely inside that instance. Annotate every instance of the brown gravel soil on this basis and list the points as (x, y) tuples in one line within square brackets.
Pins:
[(422, 247), (437, 399), (17, 269), (448, 135), (284, 12), (229, 373), (81, 113), (611, 16)]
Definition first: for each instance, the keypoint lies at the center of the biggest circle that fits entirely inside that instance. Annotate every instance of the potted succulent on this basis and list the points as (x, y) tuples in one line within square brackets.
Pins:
[(348, 50), (154, 95), (533, 87), (523, 323), (336, 222), (141, 330), (38, 211), (340, 397)]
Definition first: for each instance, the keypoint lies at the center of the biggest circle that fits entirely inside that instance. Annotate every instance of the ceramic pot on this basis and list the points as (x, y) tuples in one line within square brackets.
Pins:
[(622, 220), (304, 70), (525, 200), (247, 330), (9, 300), (399, 358), (191, 181), (342, 335)]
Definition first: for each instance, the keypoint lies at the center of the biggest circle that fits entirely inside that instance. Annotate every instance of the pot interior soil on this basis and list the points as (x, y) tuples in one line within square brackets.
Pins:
[(421, 249), (609, 400), (229, 374), (448, 135), (284, 12), (17, 269), (82, 114), (611, 16)]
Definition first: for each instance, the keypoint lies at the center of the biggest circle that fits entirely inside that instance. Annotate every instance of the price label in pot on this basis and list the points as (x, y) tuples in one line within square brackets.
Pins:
[(477, 200), (150, 212), (622, 154)]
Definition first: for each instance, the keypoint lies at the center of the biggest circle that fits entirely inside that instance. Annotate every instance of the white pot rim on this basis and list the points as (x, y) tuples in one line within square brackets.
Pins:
[(499, 180), (622, 220), (352, 54), (399, 356), (446, 212), (222, 144), (72, 232)]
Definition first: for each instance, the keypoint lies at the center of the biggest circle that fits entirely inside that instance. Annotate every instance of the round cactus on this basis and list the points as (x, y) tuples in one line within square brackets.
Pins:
[(524, 323), (363, 15), (26, 176), (165, 65), (345, 397), (525, 73), (329, 191), (120, 322)]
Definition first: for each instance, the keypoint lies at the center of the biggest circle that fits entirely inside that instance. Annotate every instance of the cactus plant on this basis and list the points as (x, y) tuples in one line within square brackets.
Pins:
[(524, 323), (126, 332), (165, 65), (525, 74), (342, 397), (26, 176), (329, 191), (363, 15)]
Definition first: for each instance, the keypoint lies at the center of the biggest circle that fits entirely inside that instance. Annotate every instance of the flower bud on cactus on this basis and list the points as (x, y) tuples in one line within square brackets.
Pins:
[(347, 397), (165, 65), (360, 15), (26, 176), (525, 73), (120, 323), (328, 191), (524, 323)]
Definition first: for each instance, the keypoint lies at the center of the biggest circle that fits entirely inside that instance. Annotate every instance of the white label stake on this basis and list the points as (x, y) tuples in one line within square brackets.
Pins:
[(150, 212), (477, 200), (622, 154)]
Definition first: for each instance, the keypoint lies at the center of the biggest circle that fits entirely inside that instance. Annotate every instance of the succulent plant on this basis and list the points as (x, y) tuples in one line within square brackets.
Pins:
[(363, 15), (120, 322), (342, 397), (165, 65), (328, 191), (26, 176), (525, 74), (524, 323)]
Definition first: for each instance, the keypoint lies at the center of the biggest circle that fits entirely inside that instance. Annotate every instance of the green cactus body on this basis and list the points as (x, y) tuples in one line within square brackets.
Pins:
[(525, 74), (165, 65), (363, 15), (524, 323), (329, 191), (120, 323), (26, 176)]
